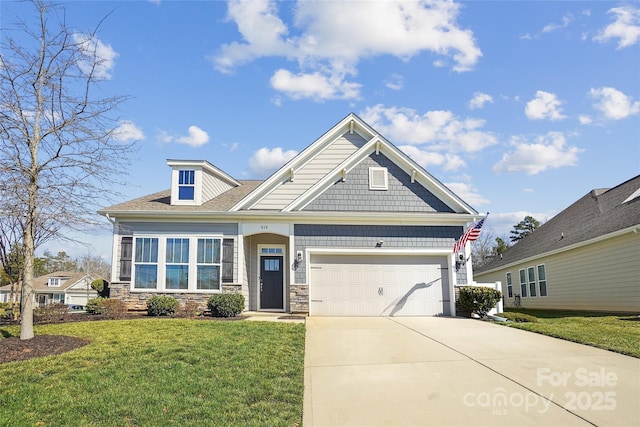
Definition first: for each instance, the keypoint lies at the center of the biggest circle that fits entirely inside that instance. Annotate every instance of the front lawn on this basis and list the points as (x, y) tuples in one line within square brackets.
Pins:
[(150, 372), (619, 333)]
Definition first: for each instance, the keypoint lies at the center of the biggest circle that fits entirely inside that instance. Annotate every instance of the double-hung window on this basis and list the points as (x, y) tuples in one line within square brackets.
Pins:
[(532, 281), (509, 285), (186, 185), (146, 263), (177, 264), (523, 283), (208, 264), (542, 280)]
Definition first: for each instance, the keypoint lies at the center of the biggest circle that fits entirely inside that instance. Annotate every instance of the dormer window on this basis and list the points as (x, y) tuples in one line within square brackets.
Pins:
[(186, 185), (55, 282)]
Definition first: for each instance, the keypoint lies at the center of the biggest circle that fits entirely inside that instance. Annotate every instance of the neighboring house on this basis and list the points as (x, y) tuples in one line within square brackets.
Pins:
[(60, 287), (585, 258), (350, 226)]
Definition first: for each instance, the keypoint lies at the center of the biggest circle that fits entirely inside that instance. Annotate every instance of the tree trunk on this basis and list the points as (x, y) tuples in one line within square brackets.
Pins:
[(26, 305)]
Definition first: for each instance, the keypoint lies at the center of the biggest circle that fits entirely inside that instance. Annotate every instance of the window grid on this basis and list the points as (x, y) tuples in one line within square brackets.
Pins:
[(146, 263), (532, 281), (542, 280), (186, 185), (208, 264), (509, 285), (523, 283), (177, 264)]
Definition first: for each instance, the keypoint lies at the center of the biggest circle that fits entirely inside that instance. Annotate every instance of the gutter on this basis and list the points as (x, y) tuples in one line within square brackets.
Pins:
[(337, 217), (635, 229)]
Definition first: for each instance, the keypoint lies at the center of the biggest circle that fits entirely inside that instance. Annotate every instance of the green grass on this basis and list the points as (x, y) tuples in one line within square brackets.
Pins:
[(619, 333), (150, 372)]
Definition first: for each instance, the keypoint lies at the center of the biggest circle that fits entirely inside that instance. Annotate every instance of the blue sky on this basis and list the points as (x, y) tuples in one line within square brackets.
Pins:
[(520, 108)]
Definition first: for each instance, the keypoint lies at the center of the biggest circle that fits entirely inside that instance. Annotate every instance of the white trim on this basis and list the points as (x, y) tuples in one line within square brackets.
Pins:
[(259, 256), (161, 264), (303, 157), (377, 174), (426, 252), (632, 229), (400, 159)]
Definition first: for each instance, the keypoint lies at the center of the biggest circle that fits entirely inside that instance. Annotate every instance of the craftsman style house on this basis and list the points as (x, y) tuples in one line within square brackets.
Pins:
[(351, 226), (60, 287)]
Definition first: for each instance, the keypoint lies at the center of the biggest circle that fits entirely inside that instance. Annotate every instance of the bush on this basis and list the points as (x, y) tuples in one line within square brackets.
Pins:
[(479, 299), (226, 305), (112, 308), (519, 317), (189, 309), (162, 305), (94, 305), (51, 313)]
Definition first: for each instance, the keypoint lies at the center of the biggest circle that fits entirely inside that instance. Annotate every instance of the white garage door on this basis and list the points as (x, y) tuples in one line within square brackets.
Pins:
[(378, 285)]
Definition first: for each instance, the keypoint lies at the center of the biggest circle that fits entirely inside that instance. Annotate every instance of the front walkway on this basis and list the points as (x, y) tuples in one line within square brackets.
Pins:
[(460, 372)]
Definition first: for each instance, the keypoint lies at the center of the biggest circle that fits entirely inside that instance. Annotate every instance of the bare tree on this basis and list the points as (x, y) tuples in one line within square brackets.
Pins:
[(486, 248), (94, 265), (59, 151)]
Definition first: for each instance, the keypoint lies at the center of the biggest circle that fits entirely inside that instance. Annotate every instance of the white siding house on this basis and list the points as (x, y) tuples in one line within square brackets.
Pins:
[(585, 258)]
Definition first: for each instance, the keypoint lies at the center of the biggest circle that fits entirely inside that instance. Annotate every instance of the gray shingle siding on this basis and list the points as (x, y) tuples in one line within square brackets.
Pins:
[(366, 236), (354, 194)]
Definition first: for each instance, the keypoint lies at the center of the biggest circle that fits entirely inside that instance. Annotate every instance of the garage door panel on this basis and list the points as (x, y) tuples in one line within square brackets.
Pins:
[(379, 285)]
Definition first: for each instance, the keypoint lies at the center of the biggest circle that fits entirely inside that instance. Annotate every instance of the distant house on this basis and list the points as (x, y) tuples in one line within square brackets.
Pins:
[(60, 287), (350, 226), (585, 258)]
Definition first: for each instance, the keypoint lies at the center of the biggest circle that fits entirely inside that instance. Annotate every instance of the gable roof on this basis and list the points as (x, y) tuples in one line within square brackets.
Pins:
[(301, 181), (301, 195), (599, 213), (40, 284)]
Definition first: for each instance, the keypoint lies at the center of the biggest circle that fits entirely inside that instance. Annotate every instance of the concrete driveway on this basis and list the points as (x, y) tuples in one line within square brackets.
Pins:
[(460, 372)]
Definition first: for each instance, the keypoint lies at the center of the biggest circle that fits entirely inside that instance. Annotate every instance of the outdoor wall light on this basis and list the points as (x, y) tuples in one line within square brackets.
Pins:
[(299, 256), (379, 244)]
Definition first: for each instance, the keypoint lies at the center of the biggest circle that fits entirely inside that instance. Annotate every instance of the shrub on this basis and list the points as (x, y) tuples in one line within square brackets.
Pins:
[(479, 299), (50, 313), (112, 308), (519, 317), (162, 305), (226, 305), (94, 305), (189, 309)]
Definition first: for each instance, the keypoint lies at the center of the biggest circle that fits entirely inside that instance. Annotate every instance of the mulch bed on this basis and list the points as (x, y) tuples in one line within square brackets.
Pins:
[(13, 348)]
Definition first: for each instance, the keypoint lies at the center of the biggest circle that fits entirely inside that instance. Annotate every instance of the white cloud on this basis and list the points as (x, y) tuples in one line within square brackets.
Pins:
[(128, 131), (479, 99), (566, 20), (98, 58), (395, 82), (584, 119), (426, 159), (614, 104), (550, 151), (196, 138), (314, 86), (325, 39), (626, 27), (502, 223), (266, 161), (544, 106), (441, 130), (468, 193)]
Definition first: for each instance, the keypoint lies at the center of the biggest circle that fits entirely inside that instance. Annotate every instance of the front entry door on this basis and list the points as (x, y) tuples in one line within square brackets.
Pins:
[(271, 281)]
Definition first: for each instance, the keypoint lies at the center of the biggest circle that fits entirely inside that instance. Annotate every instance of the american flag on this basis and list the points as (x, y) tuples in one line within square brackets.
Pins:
[(469, 236)]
